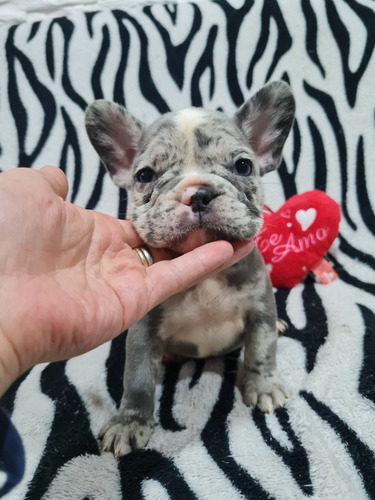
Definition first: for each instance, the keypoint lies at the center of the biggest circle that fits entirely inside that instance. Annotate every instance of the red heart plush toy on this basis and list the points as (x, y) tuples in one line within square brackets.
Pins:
[(294, 239)]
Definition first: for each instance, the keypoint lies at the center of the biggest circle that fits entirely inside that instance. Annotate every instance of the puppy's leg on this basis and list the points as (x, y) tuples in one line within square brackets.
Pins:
[(261, 384), (132, 427)]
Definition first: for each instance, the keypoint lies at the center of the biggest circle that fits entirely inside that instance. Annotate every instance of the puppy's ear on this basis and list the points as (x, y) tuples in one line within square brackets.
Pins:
[(266, 120), (115, 135)]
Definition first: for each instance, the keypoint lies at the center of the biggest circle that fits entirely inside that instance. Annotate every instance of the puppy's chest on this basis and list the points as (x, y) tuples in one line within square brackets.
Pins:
[(208, 319)]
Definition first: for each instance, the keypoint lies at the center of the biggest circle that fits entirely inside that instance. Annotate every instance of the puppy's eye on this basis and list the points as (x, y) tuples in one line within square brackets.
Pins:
[(145, 175), (243, 167)]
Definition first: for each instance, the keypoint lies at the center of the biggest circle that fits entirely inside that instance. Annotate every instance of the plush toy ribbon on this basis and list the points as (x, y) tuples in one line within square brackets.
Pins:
[(295, 239)]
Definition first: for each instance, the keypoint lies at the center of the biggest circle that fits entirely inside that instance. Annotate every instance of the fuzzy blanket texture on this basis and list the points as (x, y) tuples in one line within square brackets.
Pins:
[(208, 444)]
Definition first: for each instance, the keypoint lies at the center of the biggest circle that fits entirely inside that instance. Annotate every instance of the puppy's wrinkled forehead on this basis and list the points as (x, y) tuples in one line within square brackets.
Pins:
[(193, 137)]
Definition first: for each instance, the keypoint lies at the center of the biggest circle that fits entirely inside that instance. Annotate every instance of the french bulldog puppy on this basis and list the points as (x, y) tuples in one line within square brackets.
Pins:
[(194, 176)]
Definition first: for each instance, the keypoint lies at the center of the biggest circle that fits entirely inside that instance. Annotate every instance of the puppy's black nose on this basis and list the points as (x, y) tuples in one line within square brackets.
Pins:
[(201, 200)]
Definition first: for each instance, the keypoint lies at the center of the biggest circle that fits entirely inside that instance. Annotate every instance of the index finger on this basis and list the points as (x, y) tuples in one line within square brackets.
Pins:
[(170, 277)]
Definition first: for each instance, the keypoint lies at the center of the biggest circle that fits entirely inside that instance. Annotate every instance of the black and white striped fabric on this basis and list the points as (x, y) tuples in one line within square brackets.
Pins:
[(208, 444)]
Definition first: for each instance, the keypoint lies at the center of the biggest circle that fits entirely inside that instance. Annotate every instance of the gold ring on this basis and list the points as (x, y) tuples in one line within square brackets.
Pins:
[(144, 256)]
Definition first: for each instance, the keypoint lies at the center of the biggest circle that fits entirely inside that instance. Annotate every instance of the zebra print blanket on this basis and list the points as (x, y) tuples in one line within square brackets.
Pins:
[(207, 444)]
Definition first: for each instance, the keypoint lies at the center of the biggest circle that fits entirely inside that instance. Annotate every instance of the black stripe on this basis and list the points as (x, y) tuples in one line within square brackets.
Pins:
[(206, 61), (271, 10), (199, 366), (311, 35), (70, 433), (122, 204), (366, 384), (97, 191), (367, 16), (235, 17), (350, 279), (34, 30), (89, 22), (115, 365), (296, 458), (44, 96), (67, 28), (313, 335), (171, 9), (288, 178), (118, 88), (329, 108), (364, 202), (71, 142), (139, 466), (354, 253), (296, 144), (166, 418), (341, 34), (176, 54), (362, 456), (8, 398), (50, 59), (145, 80), (320, 161), (99, 64), (215, 437)]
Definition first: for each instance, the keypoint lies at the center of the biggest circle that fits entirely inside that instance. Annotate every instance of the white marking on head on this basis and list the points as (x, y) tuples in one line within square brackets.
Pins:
[(188, 119)]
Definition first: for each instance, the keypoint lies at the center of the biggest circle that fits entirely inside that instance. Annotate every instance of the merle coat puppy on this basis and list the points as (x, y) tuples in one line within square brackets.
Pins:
[(194, 176)]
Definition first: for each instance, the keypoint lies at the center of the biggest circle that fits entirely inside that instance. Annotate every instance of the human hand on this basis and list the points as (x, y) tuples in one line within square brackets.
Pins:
[(69, 278)]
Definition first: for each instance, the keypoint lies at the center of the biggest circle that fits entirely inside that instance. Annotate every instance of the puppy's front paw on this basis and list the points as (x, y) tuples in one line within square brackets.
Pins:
[(121, 436), (267, 392)]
